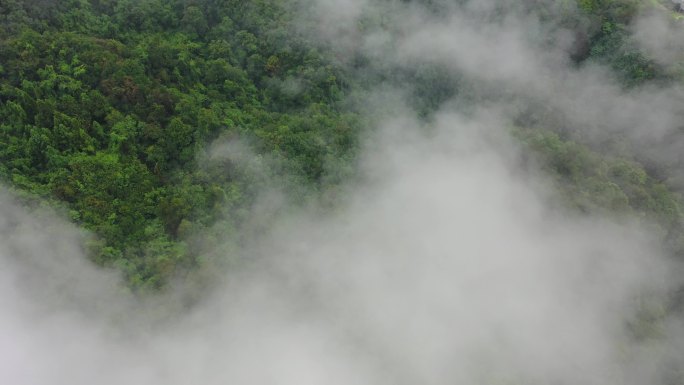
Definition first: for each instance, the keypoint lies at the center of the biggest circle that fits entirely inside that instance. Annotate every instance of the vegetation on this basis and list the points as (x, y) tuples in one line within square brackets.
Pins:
[(106, 105), (107, 108), (591, 182)]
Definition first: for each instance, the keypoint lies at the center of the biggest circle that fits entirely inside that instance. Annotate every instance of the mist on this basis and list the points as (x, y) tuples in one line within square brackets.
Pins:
[(450, 259)]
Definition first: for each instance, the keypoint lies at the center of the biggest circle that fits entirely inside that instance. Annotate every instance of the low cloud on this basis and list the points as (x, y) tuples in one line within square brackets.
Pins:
[(449, 265), (661, 37)]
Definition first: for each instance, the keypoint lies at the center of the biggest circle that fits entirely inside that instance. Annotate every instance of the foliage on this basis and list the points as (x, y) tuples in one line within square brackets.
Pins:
[(105, 106), (593, 182), (110, 108), (609, 40)]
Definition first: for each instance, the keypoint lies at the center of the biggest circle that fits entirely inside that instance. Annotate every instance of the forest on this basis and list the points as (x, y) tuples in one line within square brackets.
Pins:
[(107, 118), (107, 107)]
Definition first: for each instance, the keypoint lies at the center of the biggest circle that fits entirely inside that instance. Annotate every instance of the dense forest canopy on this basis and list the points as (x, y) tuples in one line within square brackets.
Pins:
[(108, 109), (107, 106)]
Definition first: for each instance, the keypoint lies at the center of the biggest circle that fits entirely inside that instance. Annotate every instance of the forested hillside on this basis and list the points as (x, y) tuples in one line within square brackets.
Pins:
[(108, 110)]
